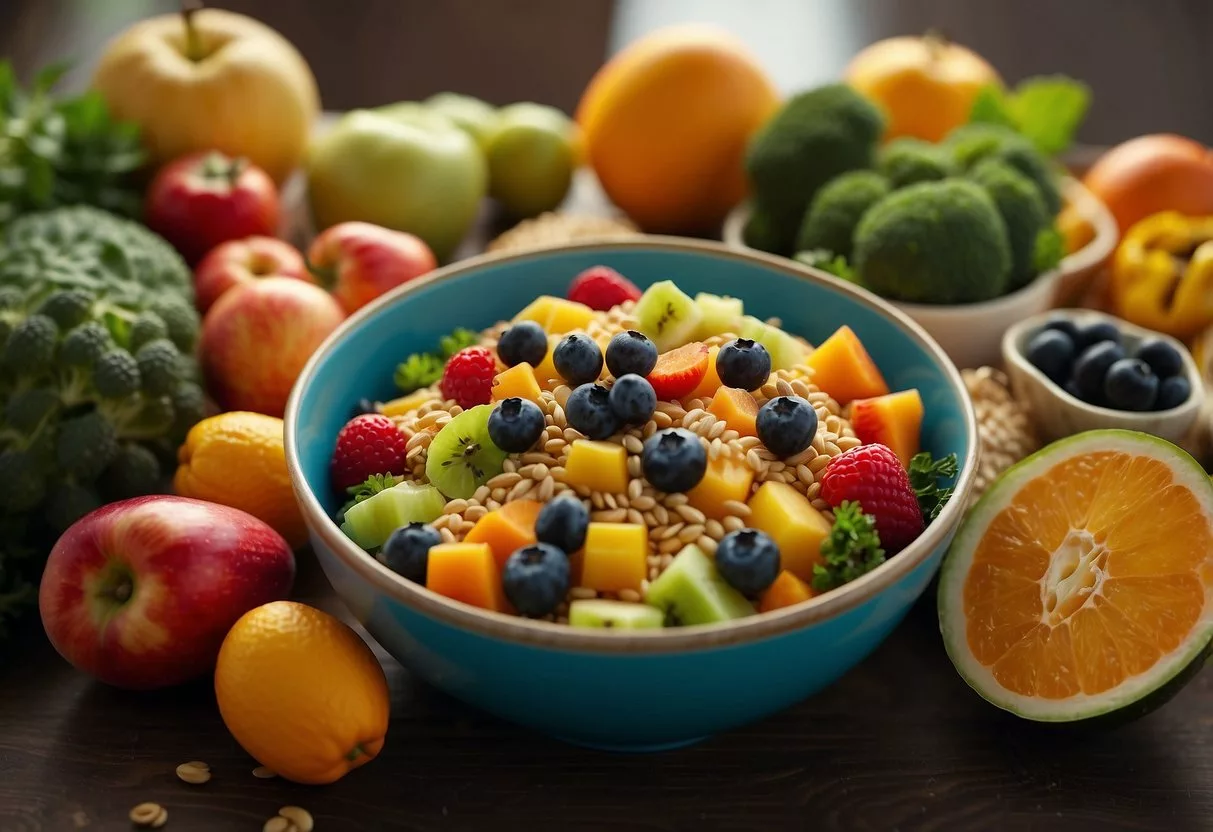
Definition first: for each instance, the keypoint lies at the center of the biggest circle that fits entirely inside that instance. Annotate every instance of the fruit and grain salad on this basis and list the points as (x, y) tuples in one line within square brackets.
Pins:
[(628, 460)]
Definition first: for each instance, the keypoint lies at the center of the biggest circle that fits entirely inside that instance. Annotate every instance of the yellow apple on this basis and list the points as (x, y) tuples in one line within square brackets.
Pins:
[(212, 79)]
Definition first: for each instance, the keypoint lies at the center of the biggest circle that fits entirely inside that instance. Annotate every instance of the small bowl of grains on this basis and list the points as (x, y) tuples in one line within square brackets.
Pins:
[(630, 493)]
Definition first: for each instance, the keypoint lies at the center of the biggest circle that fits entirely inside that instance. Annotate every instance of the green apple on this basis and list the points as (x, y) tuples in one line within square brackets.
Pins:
[(472, 115), (532, 151), (402, 167)]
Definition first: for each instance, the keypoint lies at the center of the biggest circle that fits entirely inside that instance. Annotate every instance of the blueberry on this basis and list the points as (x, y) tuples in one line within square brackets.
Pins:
[(743, 364), (365, 406), (1130, 385), (407, 550), (524, 341), (536, 579), (1173, 392), (1163, 358), (674, 460), (1097, 332), (1052, 352), (633, 399), (786, 425), (631, 352), (562, 522), (577, 359), (588, 410), (515, 425), (1064, 325), (748, 560), (1091, 369)]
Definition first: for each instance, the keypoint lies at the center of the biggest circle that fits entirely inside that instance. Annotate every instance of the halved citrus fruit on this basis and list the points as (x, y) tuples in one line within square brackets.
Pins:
[(1081, 583)]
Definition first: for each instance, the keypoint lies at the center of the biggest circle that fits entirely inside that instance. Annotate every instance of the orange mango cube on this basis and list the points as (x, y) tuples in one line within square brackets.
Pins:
[(557, 316), (796, 527), (601, 466), (404, 404), (725, 479), (616, 556), (516, 382), (786, 591), (842, 367), (507, 529), (711, 380), (894, 420), (737, 409), (545, 374), (466, 572)]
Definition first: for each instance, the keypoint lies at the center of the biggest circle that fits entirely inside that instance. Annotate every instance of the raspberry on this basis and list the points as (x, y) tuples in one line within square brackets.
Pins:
[(872, 476), (601, 287), (468, 377), (368, 444)]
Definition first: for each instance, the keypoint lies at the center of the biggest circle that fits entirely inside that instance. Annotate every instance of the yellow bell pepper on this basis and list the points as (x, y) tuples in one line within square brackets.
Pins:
[(1162, 274)]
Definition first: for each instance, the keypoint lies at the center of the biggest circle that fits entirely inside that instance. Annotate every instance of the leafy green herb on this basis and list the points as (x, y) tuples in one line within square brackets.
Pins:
[(827, 261), (425, 368), (1047, 109), (1049, 251), (63, 151), (851, 549), (925, 474)]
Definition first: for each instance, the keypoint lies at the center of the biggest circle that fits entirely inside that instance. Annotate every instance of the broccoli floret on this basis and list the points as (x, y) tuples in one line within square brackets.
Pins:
[(971, 144), (836, 210), (84, 345), (934, 242), (816, 136), (764, 233), (69, 502), (1023, 211), (159, 366), (116, 375), (86, 445), (26, 410), (908, 161), (147, 327), (189, 407), (180, 321), (134, 471), (24, 477), (153, 418), (11, 298), (30, 348), (67, 308)]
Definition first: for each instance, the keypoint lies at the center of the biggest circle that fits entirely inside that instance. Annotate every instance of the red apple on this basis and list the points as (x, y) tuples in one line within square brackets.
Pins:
[(257, 338), (359, 261), (237, 262), (204, 199), (141, 593)]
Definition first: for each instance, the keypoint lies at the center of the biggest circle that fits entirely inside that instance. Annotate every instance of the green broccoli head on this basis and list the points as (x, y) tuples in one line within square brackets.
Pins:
[(160, 366), (972, 144), (908, 161), (67, 307), (68, 502), (816, 136), (1023, 211), (134, 471), (26, 410), (86, 445), (24, 476), (764, 233), (934, 242), (836, 210), (116, 375), (147, 327), (84, 345), (189, 408), (31, 345), (180, 322)]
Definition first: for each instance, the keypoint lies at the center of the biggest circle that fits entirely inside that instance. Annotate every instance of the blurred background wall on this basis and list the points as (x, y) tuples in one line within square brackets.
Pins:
[(1146, 60)]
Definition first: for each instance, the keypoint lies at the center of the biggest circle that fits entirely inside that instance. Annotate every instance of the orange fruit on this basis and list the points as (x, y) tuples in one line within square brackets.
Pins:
[(237, 459), (301, 692), (925, 85), (1080, 584), (666, 123), (1151, 174)]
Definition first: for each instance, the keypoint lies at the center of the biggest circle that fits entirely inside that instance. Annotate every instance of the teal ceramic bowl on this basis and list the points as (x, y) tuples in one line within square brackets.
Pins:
[(642, 690)]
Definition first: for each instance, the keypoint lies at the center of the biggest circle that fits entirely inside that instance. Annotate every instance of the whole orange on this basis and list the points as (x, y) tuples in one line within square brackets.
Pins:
[(237, 459), (926, 85), (666, 123), (301, 692), (1153, 173)]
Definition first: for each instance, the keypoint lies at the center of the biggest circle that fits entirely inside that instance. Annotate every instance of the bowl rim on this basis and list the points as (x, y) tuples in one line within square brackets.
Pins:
[(542, 634), (1013, 354)]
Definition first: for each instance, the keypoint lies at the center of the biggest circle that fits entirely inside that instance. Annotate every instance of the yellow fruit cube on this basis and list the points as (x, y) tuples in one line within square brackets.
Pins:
[(516, 382), (557, 316), (602, 466), (545, 374), (726, 479), (616, 556), (404, 404), (796, 527), (711, 379)]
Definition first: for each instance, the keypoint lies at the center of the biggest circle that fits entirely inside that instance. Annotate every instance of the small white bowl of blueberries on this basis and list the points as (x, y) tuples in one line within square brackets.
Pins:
[(1079, 370)]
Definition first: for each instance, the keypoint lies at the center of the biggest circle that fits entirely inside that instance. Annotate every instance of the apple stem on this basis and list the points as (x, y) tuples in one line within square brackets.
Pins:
[(326, 276), (935, 41), (193, 47)]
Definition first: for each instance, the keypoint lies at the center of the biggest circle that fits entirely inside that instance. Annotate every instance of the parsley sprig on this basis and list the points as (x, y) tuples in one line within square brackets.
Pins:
[(424, 368), (851, 549), (925, 474)]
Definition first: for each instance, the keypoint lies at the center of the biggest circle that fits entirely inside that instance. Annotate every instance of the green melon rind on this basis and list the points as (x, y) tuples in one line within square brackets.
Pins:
[(1137, 695)]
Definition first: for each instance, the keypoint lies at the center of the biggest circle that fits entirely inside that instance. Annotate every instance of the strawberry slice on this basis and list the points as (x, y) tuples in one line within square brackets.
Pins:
[(679, 371)]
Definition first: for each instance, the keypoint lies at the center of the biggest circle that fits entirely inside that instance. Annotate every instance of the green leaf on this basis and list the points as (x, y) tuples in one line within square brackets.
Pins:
[(457, 340), (1050, 248), (425, 368), (1049, 110), (925, 473), (850, 550), (828, 261), (49, 76), (990, 107)]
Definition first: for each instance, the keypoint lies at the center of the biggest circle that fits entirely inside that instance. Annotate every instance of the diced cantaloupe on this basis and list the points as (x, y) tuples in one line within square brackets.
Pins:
[(711, 382), (786, 591), (894, 420), (516, 382), (843, 368), (545, 374), (601, 466), (726, 479), (737, 409), (466, 572), (796, 527), (616, 556), (405, 404), (506, 529), (557, 316)]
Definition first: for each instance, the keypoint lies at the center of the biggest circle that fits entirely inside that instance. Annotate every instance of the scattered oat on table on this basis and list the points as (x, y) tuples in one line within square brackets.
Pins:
[(195, 772), (1004, 426), (552, 228), (149, 815), (263, 773), (301, 819)]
